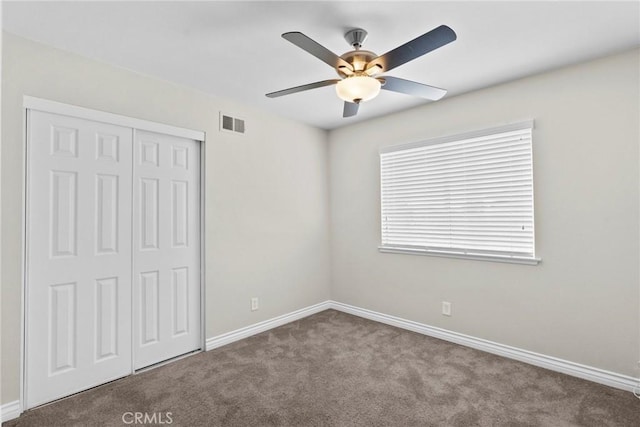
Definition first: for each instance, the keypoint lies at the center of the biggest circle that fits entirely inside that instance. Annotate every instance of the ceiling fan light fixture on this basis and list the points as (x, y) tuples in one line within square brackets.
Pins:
[(358, 88)]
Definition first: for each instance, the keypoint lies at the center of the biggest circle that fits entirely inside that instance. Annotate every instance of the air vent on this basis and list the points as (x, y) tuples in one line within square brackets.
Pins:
[(227, 123), (231, 124), (238, 125)]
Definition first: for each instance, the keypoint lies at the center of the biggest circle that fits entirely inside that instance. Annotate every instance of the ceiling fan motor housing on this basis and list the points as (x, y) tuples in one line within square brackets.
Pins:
[(358, 60)]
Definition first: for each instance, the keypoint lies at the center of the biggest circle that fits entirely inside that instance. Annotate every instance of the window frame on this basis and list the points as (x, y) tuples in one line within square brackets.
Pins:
[(468, 253)]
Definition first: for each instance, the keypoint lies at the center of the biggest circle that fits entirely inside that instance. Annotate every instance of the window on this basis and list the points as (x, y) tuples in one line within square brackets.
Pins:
[(467, 196)]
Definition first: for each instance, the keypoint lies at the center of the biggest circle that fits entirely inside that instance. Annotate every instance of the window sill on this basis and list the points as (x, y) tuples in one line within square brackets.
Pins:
[(511, 259)]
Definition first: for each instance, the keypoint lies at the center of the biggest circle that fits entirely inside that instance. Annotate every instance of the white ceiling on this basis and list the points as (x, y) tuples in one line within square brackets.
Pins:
[(234, 49)]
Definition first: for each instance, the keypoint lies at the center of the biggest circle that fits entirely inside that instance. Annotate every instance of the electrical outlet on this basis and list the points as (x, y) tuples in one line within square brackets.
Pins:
[(446, 308), (254, 304)]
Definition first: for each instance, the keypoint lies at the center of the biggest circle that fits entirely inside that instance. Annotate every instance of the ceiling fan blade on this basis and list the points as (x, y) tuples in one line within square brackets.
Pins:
[(409, 87), (302, 88), (417, 47), (350, 109), (316, 49)]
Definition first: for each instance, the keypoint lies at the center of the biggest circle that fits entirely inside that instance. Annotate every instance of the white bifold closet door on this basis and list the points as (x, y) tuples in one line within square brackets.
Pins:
[(113, 253)]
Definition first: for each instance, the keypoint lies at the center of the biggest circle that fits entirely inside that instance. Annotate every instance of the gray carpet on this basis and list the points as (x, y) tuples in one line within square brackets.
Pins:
[(333, 369)]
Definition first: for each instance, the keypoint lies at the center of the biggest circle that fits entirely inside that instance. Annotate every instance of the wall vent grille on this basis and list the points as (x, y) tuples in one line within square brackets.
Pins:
[(231, 124)]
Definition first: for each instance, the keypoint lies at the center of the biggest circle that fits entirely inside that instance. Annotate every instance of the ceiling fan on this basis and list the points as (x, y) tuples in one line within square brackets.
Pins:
[(360, 69)]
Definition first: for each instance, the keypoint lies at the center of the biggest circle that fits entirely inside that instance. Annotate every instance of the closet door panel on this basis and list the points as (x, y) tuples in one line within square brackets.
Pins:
[(166, 294), (78, 328)]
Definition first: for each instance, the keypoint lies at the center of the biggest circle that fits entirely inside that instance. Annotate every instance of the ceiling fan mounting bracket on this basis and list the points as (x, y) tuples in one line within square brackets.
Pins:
[(356, 37)]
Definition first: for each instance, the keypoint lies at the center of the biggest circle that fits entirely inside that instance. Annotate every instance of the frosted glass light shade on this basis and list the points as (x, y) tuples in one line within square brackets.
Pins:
[(358, 88)]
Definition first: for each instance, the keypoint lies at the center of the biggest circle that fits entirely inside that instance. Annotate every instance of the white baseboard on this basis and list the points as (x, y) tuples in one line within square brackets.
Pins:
[(590, 373), (9, 411), (256, 328)]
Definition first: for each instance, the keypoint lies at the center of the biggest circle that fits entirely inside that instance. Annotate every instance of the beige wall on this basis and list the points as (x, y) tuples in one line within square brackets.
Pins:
[(581, 302), (266, 192)]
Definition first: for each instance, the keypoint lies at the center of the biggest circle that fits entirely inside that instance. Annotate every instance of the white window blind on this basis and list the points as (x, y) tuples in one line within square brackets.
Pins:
[(468, 195)]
